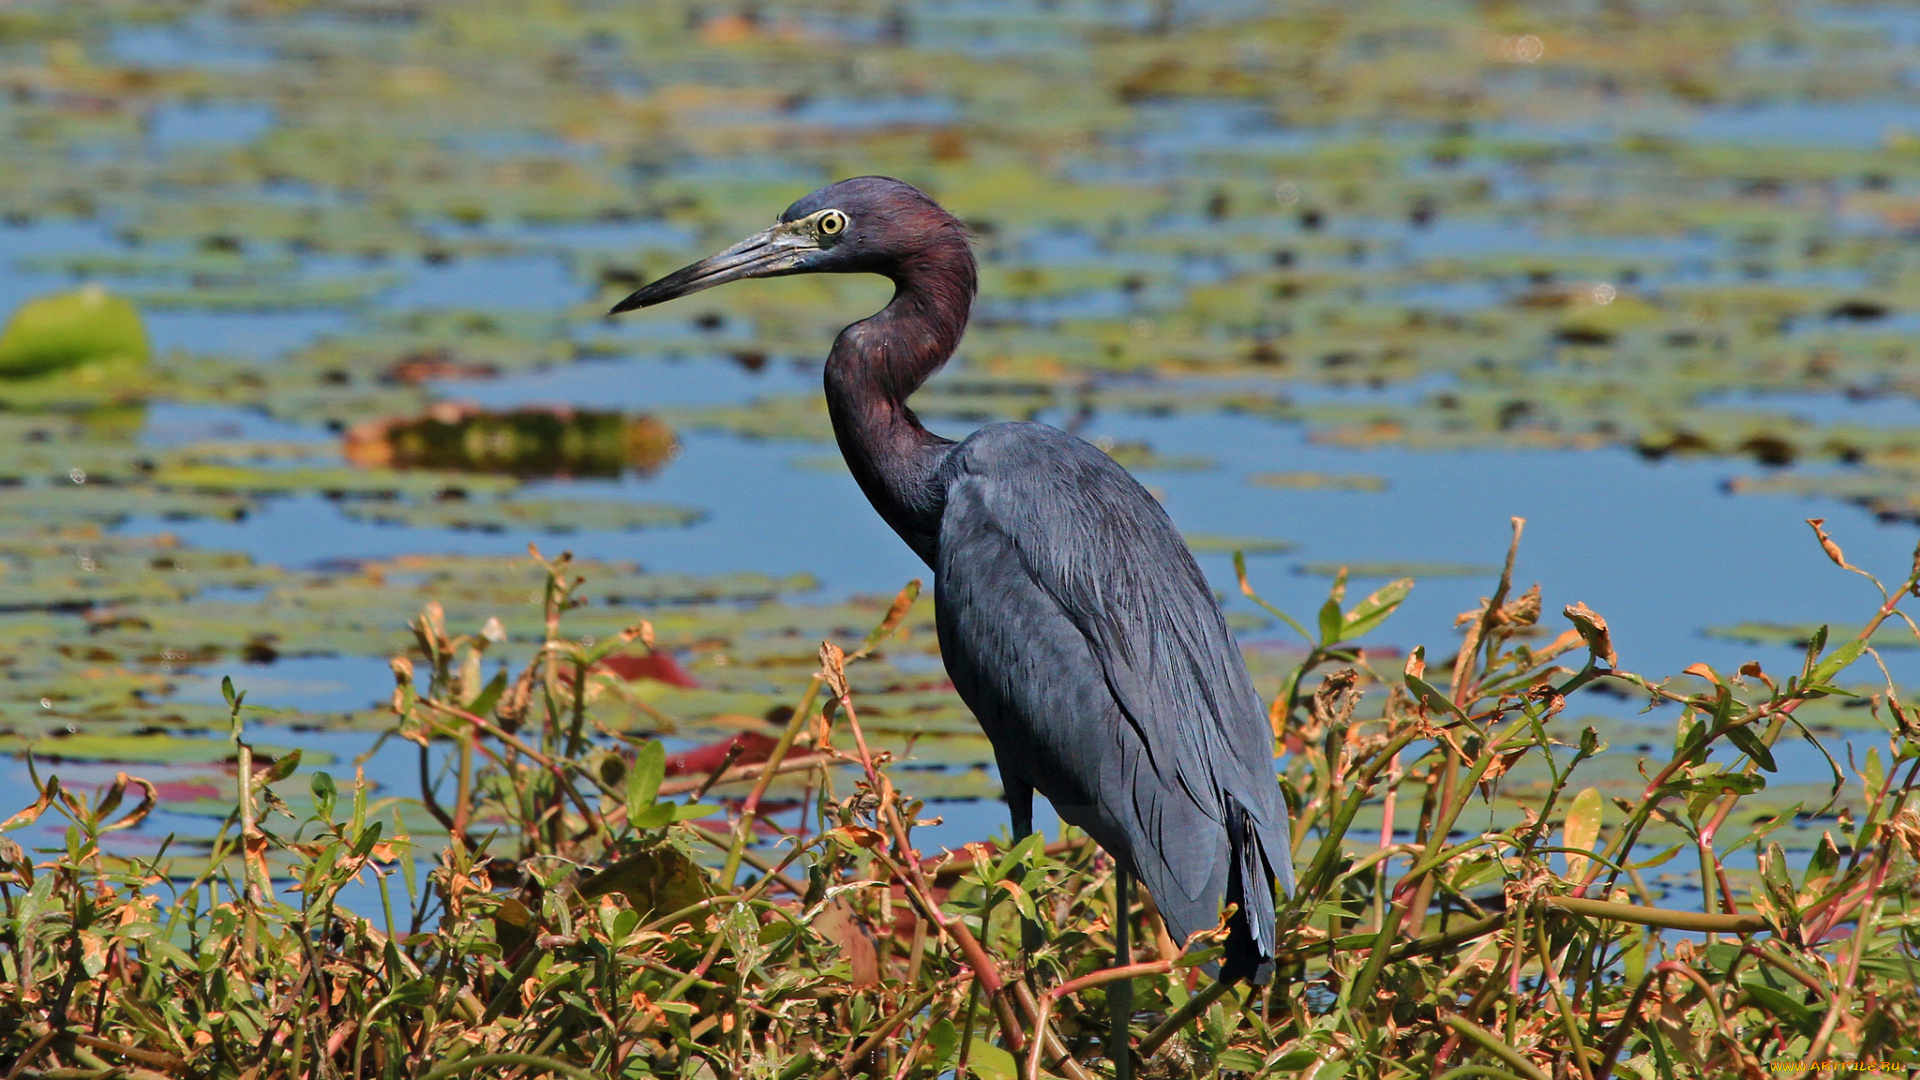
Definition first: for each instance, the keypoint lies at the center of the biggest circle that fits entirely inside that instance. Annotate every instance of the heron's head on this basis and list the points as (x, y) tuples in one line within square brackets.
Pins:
[(866, 225)]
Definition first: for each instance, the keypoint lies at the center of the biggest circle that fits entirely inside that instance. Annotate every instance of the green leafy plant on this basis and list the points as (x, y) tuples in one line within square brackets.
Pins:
[(588, 915)]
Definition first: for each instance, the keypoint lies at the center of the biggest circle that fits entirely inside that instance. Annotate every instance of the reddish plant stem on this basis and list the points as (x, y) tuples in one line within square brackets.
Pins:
[(909, 871)]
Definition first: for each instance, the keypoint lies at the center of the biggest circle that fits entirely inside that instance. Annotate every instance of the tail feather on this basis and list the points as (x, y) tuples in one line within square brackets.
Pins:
[(1193, 861), (1251, 940)]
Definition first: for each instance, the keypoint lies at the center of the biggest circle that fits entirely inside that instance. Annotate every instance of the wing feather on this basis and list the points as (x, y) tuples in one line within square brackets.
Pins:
[(1102, 548)]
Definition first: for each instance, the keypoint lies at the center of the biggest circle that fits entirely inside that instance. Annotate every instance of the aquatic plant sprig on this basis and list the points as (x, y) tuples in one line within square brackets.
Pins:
[(577, 925)]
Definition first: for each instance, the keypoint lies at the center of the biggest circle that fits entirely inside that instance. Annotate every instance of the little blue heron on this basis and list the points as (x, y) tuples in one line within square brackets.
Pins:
[(1072, 619)]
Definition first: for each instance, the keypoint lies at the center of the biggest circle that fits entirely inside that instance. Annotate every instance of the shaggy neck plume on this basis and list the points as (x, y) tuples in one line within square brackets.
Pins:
[(878, 362)]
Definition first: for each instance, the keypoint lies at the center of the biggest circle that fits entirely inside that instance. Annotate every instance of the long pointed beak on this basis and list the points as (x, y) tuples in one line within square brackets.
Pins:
[(779, 250)]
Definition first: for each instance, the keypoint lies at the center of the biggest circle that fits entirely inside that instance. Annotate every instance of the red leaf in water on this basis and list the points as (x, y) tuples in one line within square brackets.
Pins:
[(659, 667), (754, 749), (190, 790)]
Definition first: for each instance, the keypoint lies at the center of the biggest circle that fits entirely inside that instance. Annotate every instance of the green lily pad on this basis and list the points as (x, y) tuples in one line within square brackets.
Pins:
[(68, 330), (157, 749), (1395, 570), (1891, 635), (1212, 544)]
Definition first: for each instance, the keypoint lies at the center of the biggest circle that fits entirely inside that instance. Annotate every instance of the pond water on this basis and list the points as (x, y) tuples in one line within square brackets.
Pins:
[(1454, 275)]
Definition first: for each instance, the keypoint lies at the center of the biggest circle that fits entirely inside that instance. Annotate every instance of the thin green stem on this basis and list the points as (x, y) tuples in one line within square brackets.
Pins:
[(1493, 1044)]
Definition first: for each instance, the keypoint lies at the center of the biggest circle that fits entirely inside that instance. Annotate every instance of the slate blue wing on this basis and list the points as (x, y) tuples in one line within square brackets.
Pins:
[(1089, 645)]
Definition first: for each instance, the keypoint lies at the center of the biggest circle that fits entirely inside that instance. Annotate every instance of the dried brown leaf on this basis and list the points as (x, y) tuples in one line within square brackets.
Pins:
[(833, 668), (1523, 610), (1593, 629), (1827, 544)]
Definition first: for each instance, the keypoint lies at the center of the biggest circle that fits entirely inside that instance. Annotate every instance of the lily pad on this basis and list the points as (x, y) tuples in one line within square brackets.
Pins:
[(1891, 635), (1395, 570), (68, 330), (1315, 481), (522, 442), (545, 515), (1212, 544), (160, 749)]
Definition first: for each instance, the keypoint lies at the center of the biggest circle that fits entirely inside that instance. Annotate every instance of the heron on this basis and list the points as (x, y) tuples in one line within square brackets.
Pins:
[(1072, 619)]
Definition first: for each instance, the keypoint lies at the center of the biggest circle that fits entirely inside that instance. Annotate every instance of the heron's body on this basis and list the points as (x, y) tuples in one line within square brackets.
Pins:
[(1086, 641), (1073, 620)]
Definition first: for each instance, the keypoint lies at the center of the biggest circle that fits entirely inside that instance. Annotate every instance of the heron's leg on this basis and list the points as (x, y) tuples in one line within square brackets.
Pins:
[(1020, 808), (1120, 994)]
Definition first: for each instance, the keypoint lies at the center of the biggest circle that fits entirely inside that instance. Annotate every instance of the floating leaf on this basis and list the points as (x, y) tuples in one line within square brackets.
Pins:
[(1140, 457), (1314, 481), (1414, 570), (66, 330), (521, 442), (1212, 544), (546, 515), (1799, 635)]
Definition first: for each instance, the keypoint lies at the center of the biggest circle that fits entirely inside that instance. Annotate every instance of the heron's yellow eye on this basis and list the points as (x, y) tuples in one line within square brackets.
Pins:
[(832, 223)]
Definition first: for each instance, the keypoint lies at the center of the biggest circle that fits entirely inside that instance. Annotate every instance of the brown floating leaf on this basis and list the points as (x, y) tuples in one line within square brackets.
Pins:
[(1593, 629), (425, 366), (520, 442)]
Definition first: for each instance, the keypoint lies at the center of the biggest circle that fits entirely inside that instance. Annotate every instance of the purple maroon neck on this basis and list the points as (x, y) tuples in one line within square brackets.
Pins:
[(877, 363)]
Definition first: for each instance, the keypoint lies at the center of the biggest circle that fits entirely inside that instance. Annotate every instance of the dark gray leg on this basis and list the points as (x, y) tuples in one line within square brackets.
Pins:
[(1020, 809), (1120, 994), (1019, 806)]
